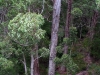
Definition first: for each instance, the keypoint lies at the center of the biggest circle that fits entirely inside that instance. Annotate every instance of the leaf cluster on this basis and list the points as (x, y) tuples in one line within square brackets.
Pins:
[(68, 62), (25, 28)]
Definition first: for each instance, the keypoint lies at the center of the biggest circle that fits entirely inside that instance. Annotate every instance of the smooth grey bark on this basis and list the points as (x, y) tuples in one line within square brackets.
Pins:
[(24, 62), (54, 35), (32, 63)]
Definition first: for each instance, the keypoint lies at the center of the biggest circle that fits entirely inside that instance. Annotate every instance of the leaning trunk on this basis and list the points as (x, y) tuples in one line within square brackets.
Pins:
[(54, 36)]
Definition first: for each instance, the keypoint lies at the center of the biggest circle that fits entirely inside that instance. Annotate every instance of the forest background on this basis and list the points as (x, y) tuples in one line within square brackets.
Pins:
[(49, 37)]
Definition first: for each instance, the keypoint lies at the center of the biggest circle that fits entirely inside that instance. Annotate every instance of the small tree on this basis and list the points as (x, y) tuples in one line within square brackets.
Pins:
[(25, 29)]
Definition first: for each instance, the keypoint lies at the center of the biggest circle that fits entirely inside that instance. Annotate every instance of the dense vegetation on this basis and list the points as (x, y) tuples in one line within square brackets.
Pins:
[(49, 37)]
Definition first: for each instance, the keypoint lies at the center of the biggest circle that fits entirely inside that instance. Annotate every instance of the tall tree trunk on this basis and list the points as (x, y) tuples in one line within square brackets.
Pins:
[(90, 35), (93, 24), (68, 22), (54, 36)]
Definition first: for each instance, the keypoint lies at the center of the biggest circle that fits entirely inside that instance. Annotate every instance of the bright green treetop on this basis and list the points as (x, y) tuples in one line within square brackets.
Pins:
[(26, 28)]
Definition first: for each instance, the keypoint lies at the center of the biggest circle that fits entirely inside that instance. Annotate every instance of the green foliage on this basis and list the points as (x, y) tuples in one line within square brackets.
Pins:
[(86, 6), (77, 12), (58, 60), (73, 33), (4, 3), (2, 44), (59, 49), (72, 36), (78, 59), (57, 74), (86, 43), (94, 69), (20, 4), (25, 28), (44, 52), (95, 49), (67, 41), (6, 67), (6, 49), (78, 55), (98, 4), (68, 62), (5, 64)]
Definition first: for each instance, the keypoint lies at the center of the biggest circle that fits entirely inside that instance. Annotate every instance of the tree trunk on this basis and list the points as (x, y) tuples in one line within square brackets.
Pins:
[(36, 62), (36, 67), (54, 36), (93, 24), (90, 35), (68, 22), (32, 62), (24, 62)]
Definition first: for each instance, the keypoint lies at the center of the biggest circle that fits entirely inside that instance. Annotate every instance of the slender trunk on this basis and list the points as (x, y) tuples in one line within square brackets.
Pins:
[(81, 31), (32, 63), (93, 24), (36, 67), (68, 22), (54, 36), (90, 35), (36, 62), (24, 63), (25, 67)]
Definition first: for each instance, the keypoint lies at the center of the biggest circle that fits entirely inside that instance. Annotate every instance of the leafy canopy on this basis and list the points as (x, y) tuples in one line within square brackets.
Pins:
[(26, 28)]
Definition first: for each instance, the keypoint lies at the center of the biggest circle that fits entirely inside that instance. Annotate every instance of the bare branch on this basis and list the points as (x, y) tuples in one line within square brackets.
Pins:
[(43, 6)]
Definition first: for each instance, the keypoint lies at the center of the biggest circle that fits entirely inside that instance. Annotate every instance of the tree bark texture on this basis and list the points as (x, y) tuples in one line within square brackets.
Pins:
[(90, 35), (68, 22), (34, 61), (24, 62), (93, 24), (54, 36)]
